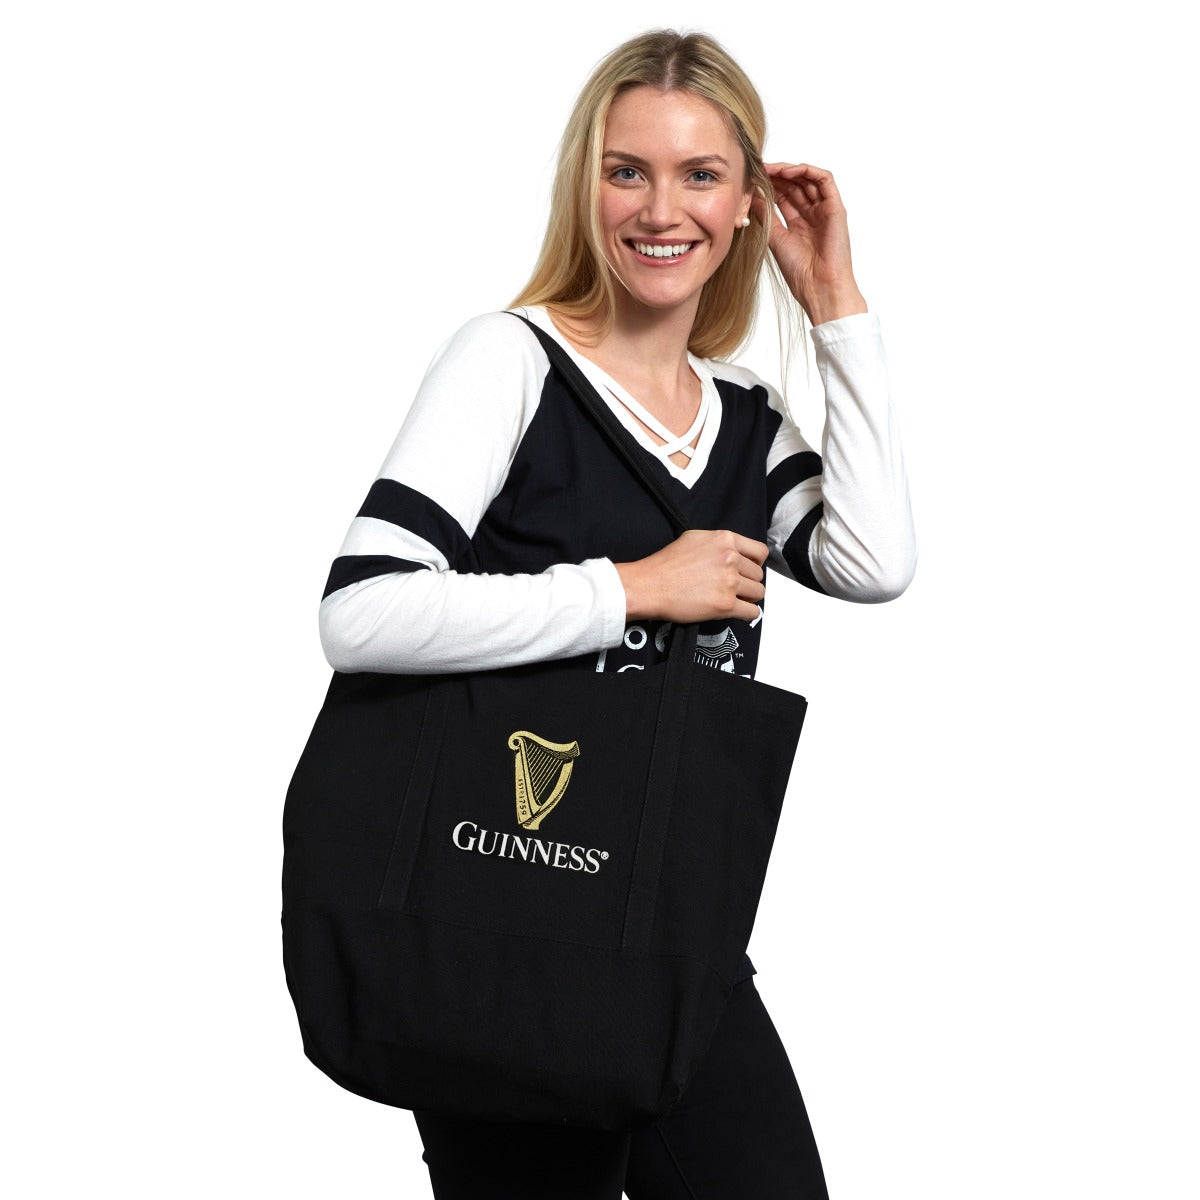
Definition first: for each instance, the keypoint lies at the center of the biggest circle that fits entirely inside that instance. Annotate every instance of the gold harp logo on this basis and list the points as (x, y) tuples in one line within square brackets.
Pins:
[(543, 770)]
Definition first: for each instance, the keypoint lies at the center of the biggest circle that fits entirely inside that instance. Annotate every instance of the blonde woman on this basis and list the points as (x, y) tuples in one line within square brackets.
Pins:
[(502, 530)]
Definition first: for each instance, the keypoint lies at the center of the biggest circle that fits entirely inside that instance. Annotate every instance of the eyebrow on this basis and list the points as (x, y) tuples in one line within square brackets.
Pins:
[(702, 160)]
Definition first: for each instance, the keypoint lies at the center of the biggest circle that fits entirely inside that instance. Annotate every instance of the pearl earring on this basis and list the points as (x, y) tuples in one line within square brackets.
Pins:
[(745, 222)]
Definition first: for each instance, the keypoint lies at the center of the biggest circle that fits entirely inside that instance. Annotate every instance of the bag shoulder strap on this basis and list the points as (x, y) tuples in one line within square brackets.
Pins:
[(608, 424)]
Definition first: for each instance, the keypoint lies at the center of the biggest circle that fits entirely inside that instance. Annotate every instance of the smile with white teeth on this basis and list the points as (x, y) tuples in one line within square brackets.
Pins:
[(653, 251)]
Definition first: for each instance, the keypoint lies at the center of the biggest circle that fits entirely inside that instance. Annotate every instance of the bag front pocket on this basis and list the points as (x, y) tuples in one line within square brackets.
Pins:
[(524, 813)]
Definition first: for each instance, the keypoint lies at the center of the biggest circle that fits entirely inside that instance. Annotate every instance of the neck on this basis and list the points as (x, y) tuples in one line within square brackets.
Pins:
[(656, 338), (649, 343)]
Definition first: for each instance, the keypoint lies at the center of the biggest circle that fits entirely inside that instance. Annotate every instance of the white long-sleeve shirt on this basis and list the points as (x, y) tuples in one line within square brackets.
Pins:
[(488, 538)]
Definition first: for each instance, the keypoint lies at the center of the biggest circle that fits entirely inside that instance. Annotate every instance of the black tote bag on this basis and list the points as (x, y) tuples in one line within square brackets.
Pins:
[(523, 894)]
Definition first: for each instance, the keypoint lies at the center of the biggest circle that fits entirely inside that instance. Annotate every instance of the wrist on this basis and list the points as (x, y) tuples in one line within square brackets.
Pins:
[(636, 585), (832, 306)]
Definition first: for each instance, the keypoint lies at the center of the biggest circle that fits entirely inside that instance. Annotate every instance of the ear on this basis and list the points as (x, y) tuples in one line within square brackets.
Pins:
[(761, 203), (744, 207), (751, 205)]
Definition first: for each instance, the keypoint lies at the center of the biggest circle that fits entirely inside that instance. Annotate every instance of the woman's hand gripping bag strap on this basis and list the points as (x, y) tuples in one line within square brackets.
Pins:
[(522, 894)]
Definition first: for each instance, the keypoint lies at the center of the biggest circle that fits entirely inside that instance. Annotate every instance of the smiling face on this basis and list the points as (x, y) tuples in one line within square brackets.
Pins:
[(672, 195)]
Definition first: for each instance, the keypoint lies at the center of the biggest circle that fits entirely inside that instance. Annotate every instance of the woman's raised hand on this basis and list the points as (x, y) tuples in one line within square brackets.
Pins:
[(703, 575), (811, 243)]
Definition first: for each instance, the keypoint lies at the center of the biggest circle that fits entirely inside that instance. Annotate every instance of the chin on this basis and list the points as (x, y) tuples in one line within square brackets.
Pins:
[(665, 284), (638, 298)]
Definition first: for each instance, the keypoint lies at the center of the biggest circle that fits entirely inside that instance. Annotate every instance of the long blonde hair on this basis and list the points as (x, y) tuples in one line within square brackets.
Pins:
[(572, 275)]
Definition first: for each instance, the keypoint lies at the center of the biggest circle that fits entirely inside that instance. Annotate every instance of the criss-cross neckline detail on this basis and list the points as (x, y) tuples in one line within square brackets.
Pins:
[(632, 413), (673, 443)]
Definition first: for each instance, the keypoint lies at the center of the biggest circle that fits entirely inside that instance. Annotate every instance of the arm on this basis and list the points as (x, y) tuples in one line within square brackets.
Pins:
[(842, 521), (403, 595)]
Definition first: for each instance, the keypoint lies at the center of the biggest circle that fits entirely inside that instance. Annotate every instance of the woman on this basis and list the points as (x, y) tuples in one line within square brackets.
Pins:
[(489, 539)]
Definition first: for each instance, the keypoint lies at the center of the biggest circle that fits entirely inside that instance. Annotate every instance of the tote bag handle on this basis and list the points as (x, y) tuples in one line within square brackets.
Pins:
[(677, 690), (609, 426)]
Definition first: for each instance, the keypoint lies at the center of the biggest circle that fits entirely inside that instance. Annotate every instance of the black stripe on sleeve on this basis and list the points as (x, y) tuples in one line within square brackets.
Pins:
[(389, 500), (784, 476), (795, 549), (352, 568)]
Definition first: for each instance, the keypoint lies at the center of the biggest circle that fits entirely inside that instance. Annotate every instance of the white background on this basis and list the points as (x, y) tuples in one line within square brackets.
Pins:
[(233, 236)]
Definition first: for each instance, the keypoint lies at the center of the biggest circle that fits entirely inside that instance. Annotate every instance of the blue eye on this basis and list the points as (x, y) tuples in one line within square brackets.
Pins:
[(625, 174), (709, 177)]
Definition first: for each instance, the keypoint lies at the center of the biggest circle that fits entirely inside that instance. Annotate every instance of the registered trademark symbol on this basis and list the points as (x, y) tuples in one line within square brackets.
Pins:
[(603, 853)]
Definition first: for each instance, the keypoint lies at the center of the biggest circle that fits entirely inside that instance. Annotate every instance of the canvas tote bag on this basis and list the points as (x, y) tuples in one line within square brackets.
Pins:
[(523, 894)]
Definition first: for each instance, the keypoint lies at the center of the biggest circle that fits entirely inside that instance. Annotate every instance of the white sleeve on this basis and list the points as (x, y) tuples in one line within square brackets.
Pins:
[(842, 520), (396, 600)]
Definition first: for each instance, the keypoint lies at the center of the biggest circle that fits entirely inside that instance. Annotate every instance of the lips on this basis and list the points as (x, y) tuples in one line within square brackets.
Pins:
[(659, 253)]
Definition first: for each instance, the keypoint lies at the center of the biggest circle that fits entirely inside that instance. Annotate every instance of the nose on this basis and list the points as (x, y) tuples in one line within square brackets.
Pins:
[(661, 210)]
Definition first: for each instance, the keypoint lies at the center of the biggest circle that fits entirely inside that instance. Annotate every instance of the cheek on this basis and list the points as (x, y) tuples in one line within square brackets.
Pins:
[(719, 216), (616, 207), (719, 222)]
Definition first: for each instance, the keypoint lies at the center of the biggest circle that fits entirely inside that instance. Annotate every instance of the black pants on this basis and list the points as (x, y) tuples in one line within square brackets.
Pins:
[(739, 1132)]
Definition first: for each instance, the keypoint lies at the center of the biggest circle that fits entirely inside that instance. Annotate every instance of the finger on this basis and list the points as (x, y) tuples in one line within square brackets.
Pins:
[(749, 584), (807, 170), (752, 549), (820, 181), (752, 590), (793, 203), (797, 180), (783, 187), (788, 209), (809, 206), (742, 603), (745, 610), (777, 227), (805, 193), (790, 169)]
